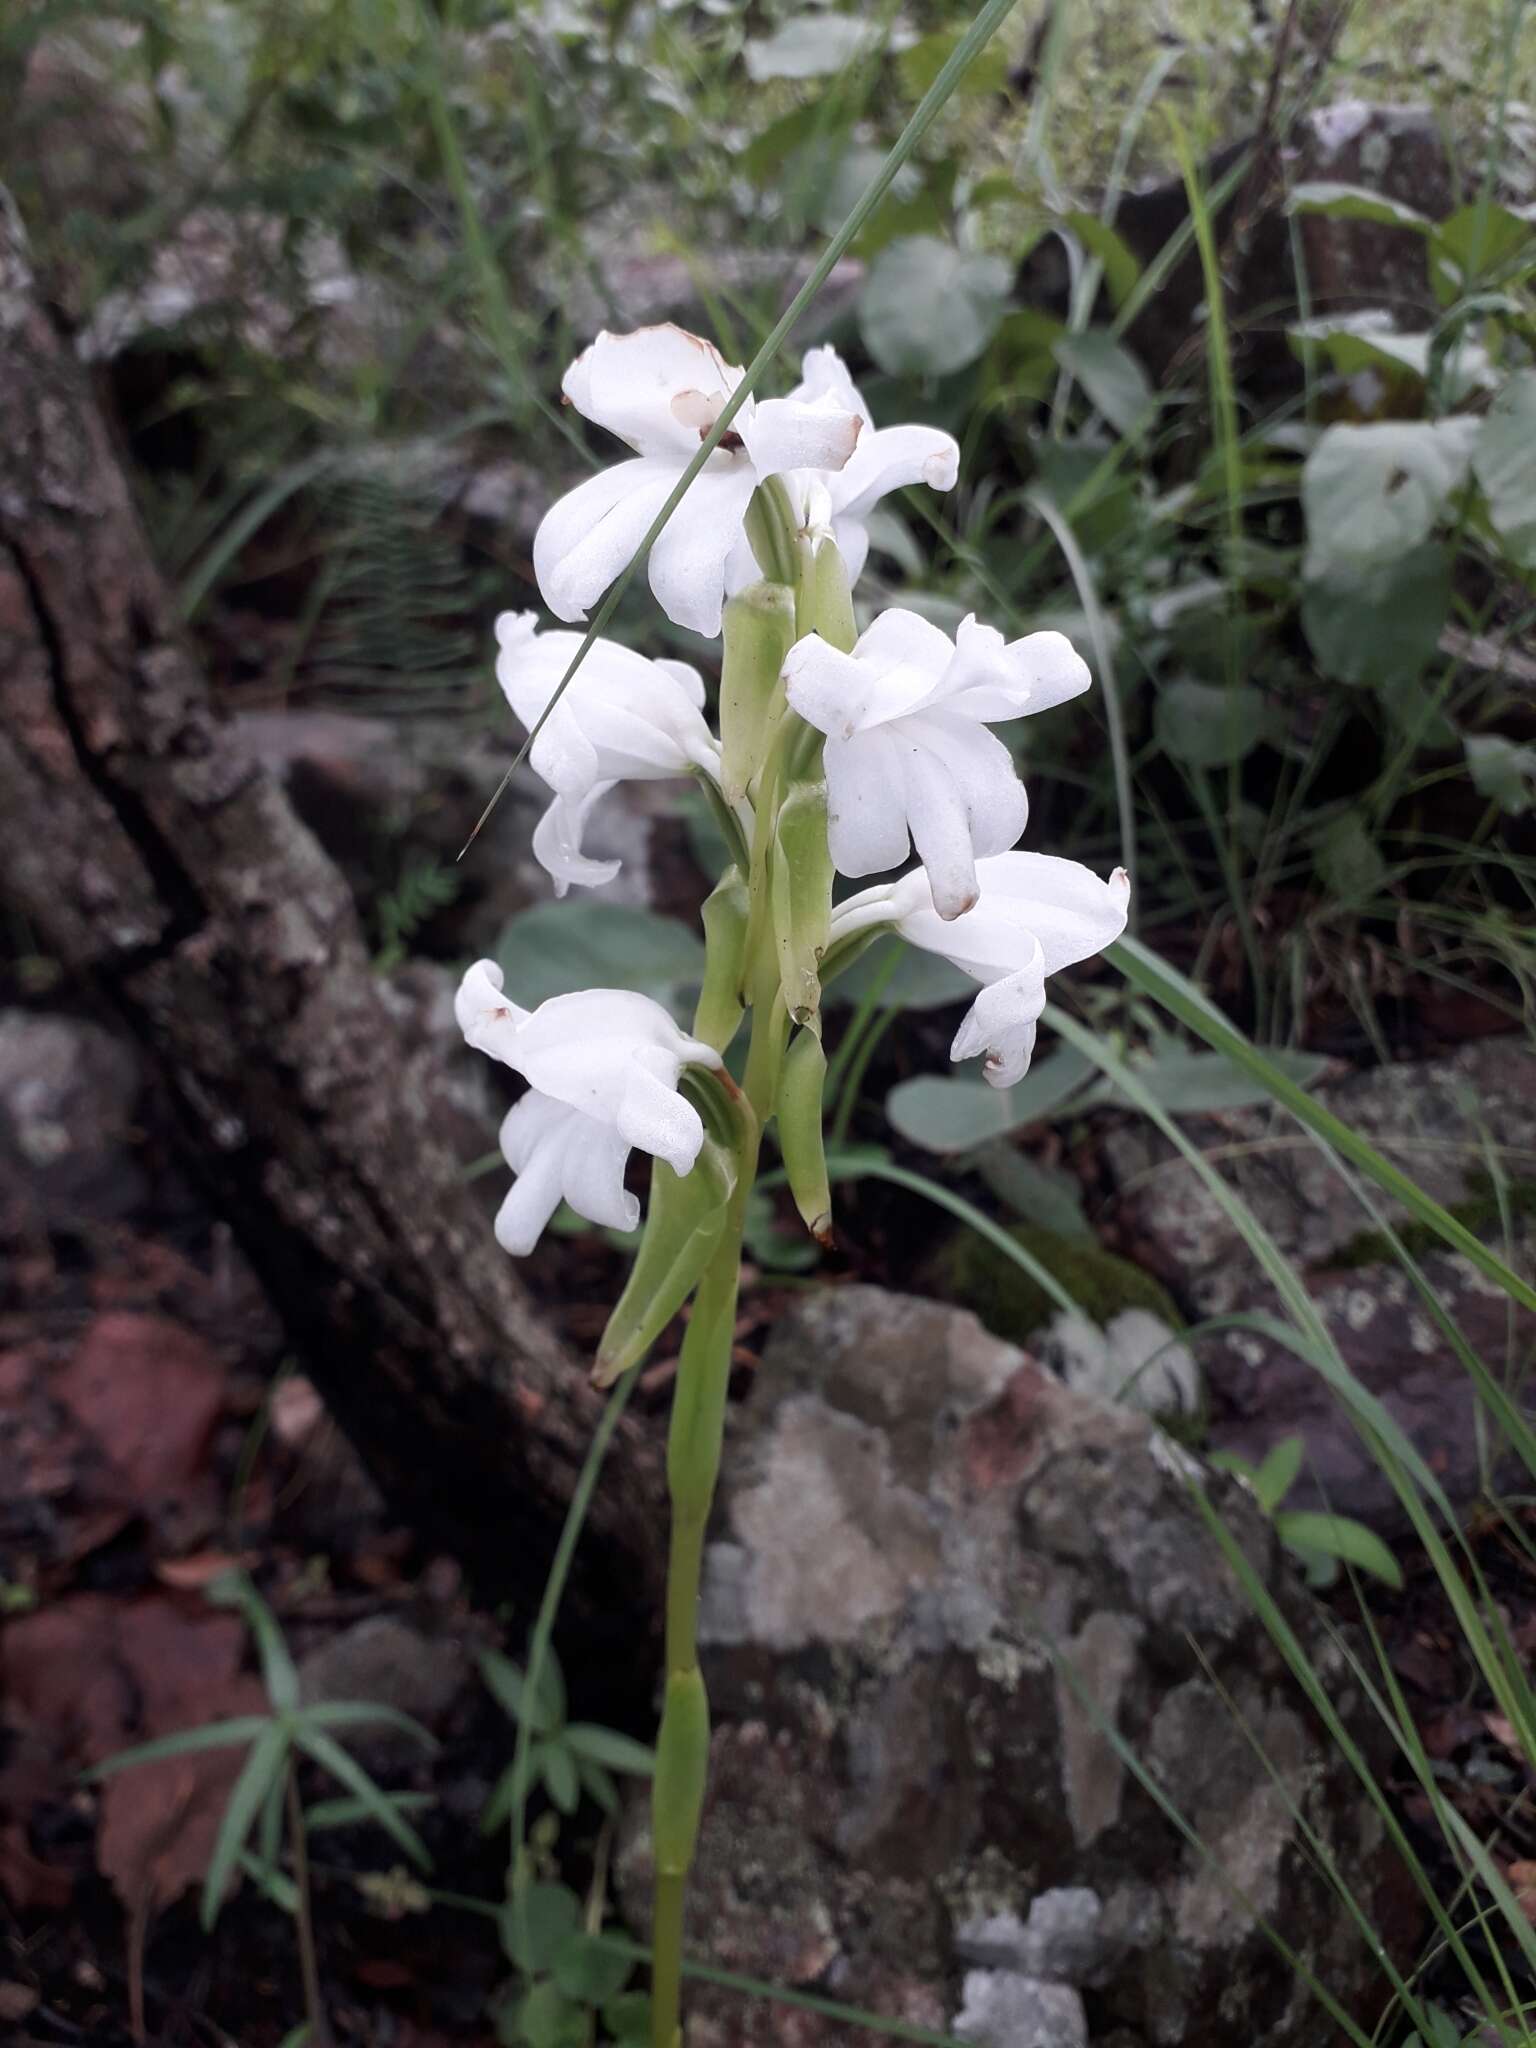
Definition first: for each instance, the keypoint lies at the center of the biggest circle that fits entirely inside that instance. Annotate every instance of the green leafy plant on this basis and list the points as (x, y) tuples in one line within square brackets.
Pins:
[(265, 1799), (1321, 1543)]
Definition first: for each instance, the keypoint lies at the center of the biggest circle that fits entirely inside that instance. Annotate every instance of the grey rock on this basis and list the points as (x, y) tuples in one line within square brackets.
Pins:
[(388, 1663), (1004, 2010), (1447, 1123), (938, 1576), (69, 1091)]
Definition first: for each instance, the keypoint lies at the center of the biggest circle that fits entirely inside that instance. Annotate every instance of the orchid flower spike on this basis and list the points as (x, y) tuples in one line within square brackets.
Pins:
[(1033, 915), (661, 390), (908, 755), (884, 459), (620, 718), (603, 1067)]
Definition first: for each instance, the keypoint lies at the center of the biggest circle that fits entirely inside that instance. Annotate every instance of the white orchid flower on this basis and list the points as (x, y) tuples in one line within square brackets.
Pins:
[(661, 391), (1034, 914), (908, 754), (885, 459), (620, 718), (603, 1065)]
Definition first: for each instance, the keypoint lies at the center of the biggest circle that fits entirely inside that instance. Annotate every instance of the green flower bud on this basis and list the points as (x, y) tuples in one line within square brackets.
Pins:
[(727, 912), (759, 631), (801, 1081), (800, 893), (684, 1220), (827, 603), (682, 1772)]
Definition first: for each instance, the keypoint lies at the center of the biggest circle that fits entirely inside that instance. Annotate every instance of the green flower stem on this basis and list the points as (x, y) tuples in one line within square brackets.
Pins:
[(693, 1465)]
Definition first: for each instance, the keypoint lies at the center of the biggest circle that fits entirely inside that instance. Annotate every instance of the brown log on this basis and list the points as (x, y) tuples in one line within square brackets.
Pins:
[(166, 870)]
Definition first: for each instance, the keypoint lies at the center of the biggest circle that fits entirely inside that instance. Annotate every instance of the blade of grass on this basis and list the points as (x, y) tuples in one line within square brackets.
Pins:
[(213, 1735), (330, 1756)]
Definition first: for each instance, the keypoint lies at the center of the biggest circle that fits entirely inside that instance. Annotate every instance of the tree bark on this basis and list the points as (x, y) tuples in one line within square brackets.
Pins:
[(165, 868)]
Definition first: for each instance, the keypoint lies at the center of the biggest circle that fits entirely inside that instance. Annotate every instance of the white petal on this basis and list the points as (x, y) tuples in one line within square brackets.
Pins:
[(488, 1020), (530, 1201), (588, 536), (824, 374), (652, 1115), (890, 460), (1002, 1023), (983, 769), (595, 1158), (686, 677), (829, 689), (901, 639), (631, 384), (688, 560), (866, 804), (557, 843), (793, 433), (983, 681), (1064, 904), (1053, 668), (940, 827), (530, 1120), (852, 537)]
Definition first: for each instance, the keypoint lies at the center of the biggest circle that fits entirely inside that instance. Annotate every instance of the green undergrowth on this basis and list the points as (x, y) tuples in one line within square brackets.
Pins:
[(1485, 1214), (968, 1270)]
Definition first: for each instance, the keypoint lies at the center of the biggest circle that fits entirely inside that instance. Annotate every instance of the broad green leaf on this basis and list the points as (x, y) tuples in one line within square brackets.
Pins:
[(1338, 1536), (1274, 1479), (1348, 859), (921, 64), (1478, 242), (628, 2018), (929, 308), (1502, 770), (1353, 342), (509, 1685), (1208, 725), (555, 1764), (1121, 270), (598, 1786), (551, 1913), (1048, 1196), (504, 1796), (331, 1757), (607, 1746), (555, 948), (1199, 1083), (212, 1735), (269, 1755), (1371, 493), (812, 46), (949, 1114), (546, 2018), (1504, 462), (1379, 624), (1113, 379), (1356, 202), (909, 207), (588, 1971)]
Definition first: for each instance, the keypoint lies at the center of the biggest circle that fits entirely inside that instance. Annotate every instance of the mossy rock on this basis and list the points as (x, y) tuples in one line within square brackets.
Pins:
[(974, 1274)]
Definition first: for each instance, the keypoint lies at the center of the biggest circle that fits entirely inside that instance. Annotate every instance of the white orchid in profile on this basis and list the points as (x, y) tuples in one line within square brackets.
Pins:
[(908, 754), (884, 459), (661, 391), (1034, 914), (603, 1066), (620, 718)]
